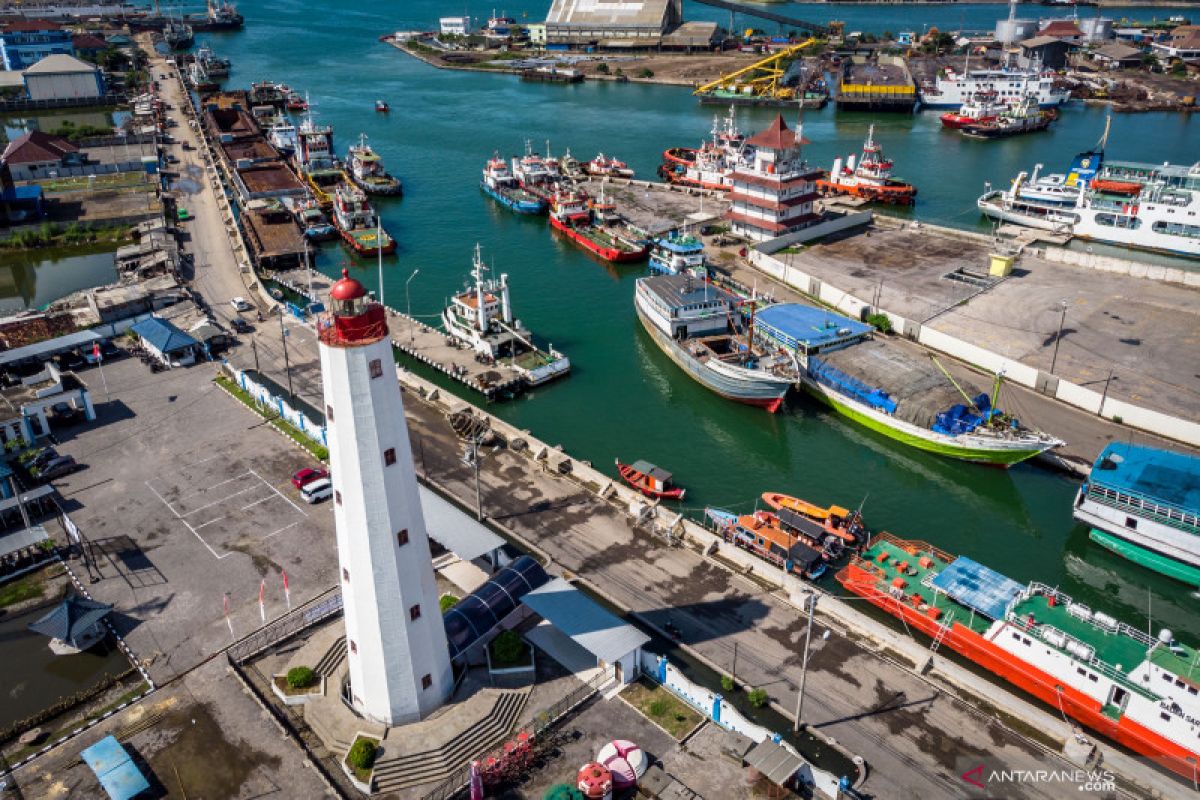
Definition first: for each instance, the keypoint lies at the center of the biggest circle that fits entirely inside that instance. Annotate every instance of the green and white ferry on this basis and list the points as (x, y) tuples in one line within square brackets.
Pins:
[(1143, 503), (888, 390)]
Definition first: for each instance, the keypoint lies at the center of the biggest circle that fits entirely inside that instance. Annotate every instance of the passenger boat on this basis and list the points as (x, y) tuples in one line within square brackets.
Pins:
[(481, 316), (603, 166), (911, 400), (699, 326), (284, 137), (1094, 200), (871, 178), (1109, 676), (953, 89), (1023, 117), (382, 107), (841, 522), (499, 184), (650, 480), (678, 253), (595, 226), (357, 222), (983, 107), (1143, 503), (763, 536), (367, 170), (710, 165)]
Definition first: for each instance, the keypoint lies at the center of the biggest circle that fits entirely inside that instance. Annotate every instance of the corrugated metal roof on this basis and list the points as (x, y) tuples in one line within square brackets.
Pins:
[(1168, 477), (625, 13), (49, 347), (74, 616), (589, 624), (978, 587), (455, 530), (120, 777), (776, 762), (162, 335)]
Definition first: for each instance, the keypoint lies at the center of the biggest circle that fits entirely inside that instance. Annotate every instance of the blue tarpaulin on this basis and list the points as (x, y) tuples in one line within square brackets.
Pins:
[(119, 776), (978, 587)]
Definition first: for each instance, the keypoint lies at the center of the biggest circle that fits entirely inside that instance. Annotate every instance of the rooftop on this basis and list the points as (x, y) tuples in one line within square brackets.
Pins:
[(678, 291), (1041, 41), (795, 325), (26, 25), (162, 335), (1167, 477), (777, 136), (1118, 51), (590, 625), (61, 64), (1061, 27), (35, 147), (625, 13), (72, 617)]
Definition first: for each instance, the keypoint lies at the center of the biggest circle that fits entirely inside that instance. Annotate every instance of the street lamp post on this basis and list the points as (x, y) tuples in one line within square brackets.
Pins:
[(283, 334), (812, 604), (1058, 339), (408, 308)]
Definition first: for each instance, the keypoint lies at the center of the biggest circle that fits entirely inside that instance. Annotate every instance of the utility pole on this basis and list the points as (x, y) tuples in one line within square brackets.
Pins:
[(408, 308), (812, 604), (1058, 338), (286, 363), (254, 348), (1104, 396), (475, 459), (733, 672)]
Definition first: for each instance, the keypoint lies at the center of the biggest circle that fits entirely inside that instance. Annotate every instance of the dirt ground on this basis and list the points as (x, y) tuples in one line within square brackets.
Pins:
[(675, 68)]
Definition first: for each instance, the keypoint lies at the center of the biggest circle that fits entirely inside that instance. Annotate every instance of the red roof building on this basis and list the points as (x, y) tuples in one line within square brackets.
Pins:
[(773, 194), (34, 154), (1064, 29)]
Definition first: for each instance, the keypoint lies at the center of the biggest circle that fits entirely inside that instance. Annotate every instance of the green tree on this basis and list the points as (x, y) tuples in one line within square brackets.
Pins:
[(300, 677), (362, 754), (507, 648), (602, 68), (758, 697)]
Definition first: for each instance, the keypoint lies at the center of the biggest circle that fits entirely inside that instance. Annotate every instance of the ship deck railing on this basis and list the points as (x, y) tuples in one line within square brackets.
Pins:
[(1165, 515)]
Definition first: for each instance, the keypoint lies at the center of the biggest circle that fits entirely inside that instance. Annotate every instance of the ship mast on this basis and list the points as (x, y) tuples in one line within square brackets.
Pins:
[(477, 271)]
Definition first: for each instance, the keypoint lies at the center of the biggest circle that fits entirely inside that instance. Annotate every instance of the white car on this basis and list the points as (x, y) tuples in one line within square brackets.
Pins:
[(316, 491), (240, 304)]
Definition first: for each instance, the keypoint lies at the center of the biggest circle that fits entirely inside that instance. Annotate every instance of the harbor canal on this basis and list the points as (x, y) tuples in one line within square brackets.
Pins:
[(624, 398)]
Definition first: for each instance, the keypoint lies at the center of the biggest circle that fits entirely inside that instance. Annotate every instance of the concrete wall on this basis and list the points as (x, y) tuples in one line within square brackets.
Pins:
[(1121, 266), (829, 226), (1165, 425), (265, 398)]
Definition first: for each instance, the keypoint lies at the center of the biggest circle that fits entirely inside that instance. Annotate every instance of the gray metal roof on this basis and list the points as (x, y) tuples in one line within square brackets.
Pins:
[(679, 291), (72, 617), (624, 13), (589, 624), (22, 538), (454, 529), (778, 763), (49, 347)]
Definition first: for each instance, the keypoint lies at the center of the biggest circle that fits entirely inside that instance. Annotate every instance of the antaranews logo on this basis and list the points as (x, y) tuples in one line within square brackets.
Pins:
[(994, 778)]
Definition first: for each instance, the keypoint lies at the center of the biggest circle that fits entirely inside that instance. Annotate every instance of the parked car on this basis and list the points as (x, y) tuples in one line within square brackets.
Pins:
[(240, 325), (57, 468), (308, 475), (70, 360), (316, 491), (66, 412), (240, 304)]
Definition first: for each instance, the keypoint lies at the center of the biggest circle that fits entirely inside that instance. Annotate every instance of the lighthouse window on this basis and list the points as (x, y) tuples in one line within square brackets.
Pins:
[(389, 456), (329, 413), (1165, 716), (337, 498), (414, 613), (426, 681), (345, 575), (402, 537), (376, 367), (353, 646)]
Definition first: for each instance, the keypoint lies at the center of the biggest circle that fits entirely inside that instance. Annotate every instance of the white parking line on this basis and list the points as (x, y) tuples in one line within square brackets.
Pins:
[(256, 502), (215, 485), (185, 522), (281, 530), (224, 499), (281, 494)]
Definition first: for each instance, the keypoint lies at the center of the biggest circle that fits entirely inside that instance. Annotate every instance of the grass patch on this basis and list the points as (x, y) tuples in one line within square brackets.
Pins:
[(361, 758), (447, 602), (318, 451), (27, 587), (50, 235), (662, 707), (113, 181), (281, 681), (509, 650)]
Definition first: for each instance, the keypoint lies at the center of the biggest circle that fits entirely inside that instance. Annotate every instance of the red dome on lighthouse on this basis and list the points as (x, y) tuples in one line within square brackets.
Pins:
[(347, 288)]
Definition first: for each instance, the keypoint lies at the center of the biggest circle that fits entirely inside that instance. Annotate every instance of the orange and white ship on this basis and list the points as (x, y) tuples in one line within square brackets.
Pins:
[(869, 178), (1138, 690), (984, 106)]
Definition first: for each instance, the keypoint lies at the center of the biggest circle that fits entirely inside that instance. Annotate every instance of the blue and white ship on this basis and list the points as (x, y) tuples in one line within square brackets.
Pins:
[(677, 254), (502, 186), (1143, 503)]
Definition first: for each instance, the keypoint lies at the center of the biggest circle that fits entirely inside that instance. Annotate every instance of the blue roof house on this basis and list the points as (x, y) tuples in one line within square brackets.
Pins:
[(167, 343)]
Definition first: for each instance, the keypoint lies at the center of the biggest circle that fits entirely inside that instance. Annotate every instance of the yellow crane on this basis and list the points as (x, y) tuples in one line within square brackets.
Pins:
[(760, 79)]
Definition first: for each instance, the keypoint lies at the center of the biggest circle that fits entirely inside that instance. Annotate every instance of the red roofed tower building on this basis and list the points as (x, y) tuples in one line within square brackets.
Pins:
[(773, 195)]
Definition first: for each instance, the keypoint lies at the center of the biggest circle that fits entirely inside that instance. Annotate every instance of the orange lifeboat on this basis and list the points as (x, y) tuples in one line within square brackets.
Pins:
[(1116, 187)]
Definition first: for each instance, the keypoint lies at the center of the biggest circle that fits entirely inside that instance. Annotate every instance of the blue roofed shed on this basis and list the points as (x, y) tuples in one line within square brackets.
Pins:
[(805, 329), (978, 587), (169, 344), (120, 777)]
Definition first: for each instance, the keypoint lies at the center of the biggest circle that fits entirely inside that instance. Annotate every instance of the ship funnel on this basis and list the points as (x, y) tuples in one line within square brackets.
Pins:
[(505, 307), (850, 163), (836, 175)]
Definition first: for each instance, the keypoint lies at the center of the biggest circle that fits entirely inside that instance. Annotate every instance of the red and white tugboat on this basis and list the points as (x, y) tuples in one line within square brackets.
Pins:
[(596, 227), (603, 166), (983, 107), (870, 179), (710, 165)]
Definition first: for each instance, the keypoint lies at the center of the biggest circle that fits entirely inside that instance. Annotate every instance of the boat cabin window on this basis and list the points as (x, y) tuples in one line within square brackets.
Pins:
[(1131, 523), (376, 368)]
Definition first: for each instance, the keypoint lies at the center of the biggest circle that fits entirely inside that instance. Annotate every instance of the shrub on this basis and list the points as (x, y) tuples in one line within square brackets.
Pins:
[(507, 648), (602, 68), (758, 697), (727, 683), (646, 73), (362, 754), (447, 602), (882, 322), (300, 677), (659, 707)]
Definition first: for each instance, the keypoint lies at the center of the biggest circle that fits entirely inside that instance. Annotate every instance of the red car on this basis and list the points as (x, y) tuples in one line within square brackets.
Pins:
[(308, 475)]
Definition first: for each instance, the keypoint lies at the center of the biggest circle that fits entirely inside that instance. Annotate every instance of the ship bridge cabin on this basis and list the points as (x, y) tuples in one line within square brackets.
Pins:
[(685, 307)]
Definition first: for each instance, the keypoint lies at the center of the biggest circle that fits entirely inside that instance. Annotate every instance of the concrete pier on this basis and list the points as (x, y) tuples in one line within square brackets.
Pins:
[(659, 207)]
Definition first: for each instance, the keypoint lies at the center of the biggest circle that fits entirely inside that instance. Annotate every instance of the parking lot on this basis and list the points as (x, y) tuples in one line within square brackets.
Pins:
[(187, 500)]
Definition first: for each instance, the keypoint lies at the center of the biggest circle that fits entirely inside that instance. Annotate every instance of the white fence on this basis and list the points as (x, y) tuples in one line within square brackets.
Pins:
[(1181, 430), (1121, 266), (836, 223), (267, 399)]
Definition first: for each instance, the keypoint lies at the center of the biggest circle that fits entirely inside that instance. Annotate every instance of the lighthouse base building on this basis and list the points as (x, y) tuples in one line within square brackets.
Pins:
[(773, 195)]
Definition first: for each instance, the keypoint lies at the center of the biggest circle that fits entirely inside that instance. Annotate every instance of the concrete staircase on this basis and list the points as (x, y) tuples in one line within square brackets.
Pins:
[(397, 771), (332, 659)]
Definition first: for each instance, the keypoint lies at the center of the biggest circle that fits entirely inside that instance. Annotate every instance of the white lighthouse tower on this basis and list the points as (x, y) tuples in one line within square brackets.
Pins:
[(396, 644)]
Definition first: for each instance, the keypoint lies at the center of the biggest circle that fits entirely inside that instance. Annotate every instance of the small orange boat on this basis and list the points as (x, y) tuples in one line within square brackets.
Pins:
[(841, 522), (1116, 187), (650, 480)]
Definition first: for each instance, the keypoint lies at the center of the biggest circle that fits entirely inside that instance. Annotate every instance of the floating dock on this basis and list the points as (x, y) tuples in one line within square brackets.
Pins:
[(659, 207), (880, 83)]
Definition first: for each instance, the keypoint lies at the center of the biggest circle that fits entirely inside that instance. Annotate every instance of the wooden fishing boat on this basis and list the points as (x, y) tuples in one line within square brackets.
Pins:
[(841, 522), (650, 480)]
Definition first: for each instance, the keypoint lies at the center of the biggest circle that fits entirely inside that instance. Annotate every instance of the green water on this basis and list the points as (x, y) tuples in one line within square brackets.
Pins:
[(33, 278), (626, 399)]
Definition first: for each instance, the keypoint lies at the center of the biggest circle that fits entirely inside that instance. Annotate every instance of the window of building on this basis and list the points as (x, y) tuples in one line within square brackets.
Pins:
[(426, 681), (414, 613), (376, 367), (337, 498), (345, 575), (389, 456), (402, 537), (353, 647), (329, 413)]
